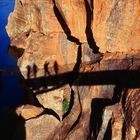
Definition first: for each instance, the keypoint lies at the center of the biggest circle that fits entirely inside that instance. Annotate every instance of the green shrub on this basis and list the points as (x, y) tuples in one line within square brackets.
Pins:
[(65, 105)]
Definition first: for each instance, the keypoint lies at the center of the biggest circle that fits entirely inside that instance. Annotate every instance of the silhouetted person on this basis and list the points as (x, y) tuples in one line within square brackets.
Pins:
[(46, 71), (34, 70), (56, 67), (28, 71)]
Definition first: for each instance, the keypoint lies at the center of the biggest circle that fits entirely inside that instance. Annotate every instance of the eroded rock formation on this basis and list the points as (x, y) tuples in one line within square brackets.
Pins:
[(79, 61)]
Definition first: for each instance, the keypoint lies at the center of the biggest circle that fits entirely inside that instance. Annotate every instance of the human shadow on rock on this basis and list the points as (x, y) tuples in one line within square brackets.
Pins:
[(30, 90), (125, 78), (121, 78), (46, 69), (35, 70), (28, 71), (56, 67)]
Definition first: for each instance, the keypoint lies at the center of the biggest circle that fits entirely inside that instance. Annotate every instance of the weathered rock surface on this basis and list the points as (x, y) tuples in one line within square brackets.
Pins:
[(116, 25), (37, 129), (103, 106), (132, 114), (38, 30), (54, 99), (29, 111), (53, 42)]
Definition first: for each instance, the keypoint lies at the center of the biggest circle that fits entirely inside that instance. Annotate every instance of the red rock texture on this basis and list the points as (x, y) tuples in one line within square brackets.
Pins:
[(116, 25), (47, 32), (92, 47)]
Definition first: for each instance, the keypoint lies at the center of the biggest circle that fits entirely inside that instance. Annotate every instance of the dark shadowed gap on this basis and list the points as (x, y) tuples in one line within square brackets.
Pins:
[(108, 133), (97, 108), (123, 101), (60, 17), (75, 71), (117, 94), (15, 52), (76, 122), (48, 112), (8, 125), (88, 31), (21, 3), (70, 104), (78, 119), (127, 123), (19, 133)]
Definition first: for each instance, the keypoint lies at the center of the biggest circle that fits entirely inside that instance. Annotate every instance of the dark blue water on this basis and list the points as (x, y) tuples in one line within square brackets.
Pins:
[(6, 6), (11, 93)]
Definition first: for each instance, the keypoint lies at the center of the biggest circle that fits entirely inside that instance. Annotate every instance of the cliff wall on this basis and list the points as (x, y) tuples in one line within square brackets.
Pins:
[(79, 61)]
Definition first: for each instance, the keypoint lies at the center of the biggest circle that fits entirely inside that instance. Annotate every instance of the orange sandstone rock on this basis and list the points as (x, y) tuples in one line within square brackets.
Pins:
[(116, 25)]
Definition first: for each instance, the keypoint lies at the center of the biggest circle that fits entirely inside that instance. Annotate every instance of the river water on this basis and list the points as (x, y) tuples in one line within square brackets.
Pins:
[(11, 93)]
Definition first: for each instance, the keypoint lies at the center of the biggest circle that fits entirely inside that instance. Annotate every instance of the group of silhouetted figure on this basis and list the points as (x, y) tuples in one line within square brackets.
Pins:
[(32, 71)]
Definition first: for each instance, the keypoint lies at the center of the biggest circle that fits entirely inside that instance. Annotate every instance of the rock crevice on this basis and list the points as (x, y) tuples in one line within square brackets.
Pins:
[(83, 51)]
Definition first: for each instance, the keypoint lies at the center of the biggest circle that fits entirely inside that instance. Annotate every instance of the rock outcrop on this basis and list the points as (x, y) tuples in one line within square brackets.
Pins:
[(116, 25), (79, 61)]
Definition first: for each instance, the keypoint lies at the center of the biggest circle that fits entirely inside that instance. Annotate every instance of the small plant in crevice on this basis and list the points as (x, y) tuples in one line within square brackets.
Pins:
[(65, 105)]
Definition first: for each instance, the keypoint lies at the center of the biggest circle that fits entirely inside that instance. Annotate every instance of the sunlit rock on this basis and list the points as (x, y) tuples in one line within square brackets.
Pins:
[(29, 111), (54, 99), (116, 25), (95, 44)]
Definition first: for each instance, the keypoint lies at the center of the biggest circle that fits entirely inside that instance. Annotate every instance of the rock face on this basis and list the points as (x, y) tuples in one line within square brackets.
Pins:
[(54, 99), (28, 111), (30, 27), (116, 25), (79, 61)]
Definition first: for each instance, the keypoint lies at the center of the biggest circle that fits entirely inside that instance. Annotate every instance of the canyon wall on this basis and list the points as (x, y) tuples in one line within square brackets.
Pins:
[(79, 65)]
